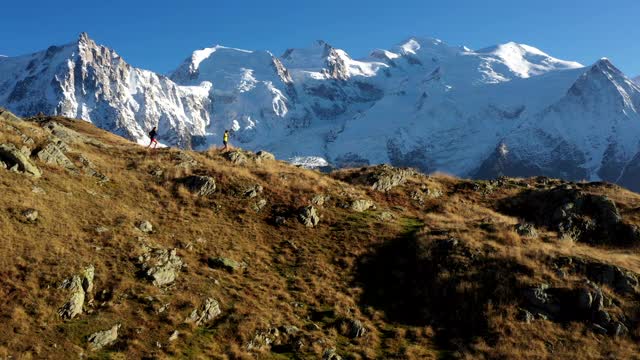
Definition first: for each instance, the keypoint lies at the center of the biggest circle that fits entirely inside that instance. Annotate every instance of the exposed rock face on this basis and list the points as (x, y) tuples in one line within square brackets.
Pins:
[(309, 216), (330, 354), (145, 226), (227, 264), (16, 159), (253, 191), (593, 219), (617, 278), (80, 287), (200, 185), (526, 230), (237, 157), (264, 156), (355, 328), (30, 215), (362, 205), (75, 303), (161, 266), (585, 303), (209, 310), (90, 169), (104, 338), (51, 154), (381, 178), (91, 82)]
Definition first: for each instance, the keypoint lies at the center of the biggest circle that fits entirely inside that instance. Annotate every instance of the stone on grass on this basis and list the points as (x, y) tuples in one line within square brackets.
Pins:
[(101, 339), (161, 266), (30, 215), (224, 264), (145, 226), (362, 205), (16, 160), (200, 185), (309, 216), (208, 311)]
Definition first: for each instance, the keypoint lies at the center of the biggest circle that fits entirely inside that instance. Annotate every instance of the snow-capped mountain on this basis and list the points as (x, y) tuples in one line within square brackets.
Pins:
[(509, 109), (637, 79), (91, 82)]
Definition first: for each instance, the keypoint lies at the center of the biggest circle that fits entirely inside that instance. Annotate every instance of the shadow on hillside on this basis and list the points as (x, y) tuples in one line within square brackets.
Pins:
[(589, 218), (442, 283)]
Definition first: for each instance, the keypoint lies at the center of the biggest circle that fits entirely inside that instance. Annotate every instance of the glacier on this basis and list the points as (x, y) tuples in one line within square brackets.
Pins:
[(509, 109)]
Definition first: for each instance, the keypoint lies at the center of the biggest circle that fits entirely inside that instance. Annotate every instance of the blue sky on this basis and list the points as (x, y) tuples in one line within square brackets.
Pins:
[(159, 34)]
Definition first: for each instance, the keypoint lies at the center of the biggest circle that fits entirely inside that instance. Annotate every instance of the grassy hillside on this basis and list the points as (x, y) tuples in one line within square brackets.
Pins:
[(400, 265)]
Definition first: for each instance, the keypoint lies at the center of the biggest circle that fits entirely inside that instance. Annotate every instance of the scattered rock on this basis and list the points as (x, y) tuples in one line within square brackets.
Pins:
[(309, 216), (225, 264), (362, 205), (103, 338), (280, 220), (30, 215), (209, 310), (18, 161), (200, 185), (160, 265), (145, 226)]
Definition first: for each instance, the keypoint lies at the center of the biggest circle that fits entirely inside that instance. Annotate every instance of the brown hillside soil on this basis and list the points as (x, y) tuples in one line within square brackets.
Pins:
[(438, 267)]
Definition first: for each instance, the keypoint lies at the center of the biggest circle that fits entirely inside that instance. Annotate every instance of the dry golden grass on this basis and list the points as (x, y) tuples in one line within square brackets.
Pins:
[(294, 275)]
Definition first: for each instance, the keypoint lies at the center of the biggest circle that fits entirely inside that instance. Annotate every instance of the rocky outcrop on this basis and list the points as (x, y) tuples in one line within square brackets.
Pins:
[(588, 218), (200, 185), (264, 156), (103, 338), (309, 216), (52, 154), (145, 226), (227, 264), (237, 157), (362, 205), (80, 287), (208, 311), (16, 160), (380, 178), (161, 266)]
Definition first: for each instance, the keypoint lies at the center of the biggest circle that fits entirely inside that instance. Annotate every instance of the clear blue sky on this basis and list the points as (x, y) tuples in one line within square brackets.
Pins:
[(159, 34)]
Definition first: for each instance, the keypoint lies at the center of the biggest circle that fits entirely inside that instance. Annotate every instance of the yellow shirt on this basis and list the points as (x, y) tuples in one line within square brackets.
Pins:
[(226, 137)]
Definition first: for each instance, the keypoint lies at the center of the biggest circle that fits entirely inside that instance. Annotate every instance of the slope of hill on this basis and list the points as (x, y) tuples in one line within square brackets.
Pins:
[(111, 250)]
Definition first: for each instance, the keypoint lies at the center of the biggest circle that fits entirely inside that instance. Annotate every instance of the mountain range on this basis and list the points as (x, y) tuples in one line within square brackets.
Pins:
[(509, 109)]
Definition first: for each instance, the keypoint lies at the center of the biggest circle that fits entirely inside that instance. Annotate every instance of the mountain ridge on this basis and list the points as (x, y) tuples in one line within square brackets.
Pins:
[(420, 103)]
